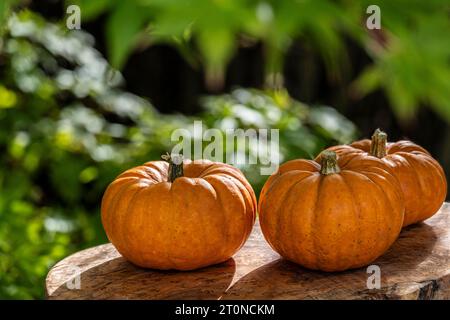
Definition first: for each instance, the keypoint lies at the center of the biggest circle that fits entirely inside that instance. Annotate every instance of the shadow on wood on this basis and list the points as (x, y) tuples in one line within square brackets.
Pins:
[(400, 268)]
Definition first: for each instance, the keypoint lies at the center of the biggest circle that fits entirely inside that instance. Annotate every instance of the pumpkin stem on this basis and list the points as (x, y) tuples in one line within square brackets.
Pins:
[(378, 144), (329, 163), (175, 165)]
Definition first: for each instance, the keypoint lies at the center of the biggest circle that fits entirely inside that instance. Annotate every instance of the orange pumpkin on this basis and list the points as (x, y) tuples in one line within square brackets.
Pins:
[(421, 177), (180, 216), (333, 214)]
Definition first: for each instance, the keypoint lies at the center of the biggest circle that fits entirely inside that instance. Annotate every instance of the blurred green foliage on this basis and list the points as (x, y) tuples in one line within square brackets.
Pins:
[(303, 131), (410, 54), (67, 129)]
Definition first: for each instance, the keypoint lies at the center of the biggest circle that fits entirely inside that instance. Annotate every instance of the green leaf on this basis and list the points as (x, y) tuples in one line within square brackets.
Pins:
[(5, 7), (217, 46), (122, 29), (90, 9), (368, 81), (404, 103)]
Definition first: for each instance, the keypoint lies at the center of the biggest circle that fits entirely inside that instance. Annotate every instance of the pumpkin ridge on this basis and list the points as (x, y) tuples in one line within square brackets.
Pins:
[(231, 182), (277, 183), (131, 215), (277, 179), (230, 186), (121, 213), (419, 178), (347, 150), (202, 174), (249, 203), (124, 179), (362, 163), (238, 175), (243, 201), (300, 164), (314, 220), (291, 211), (176, 198), (418, 185), (325, 256), (180, 197), (111, 191), (406, 146), (397, 191), (201, 218), (355, 205), (243, 188), (353, 158), (382, 192), (155, 173), (138, 229), (237, 181), (140, 172), (440, 172), (225, 229), (432, 162), (285, 195)]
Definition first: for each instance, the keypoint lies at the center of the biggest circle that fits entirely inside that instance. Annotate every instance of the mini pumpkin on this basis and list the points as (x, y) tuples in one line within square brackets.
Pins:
[(179, 215), (331, 214), (422, 179)]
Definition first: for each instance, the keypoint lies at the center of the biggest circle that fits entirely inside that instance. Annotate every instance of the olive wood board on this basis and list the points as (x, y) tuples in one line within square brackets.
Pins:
[(417, 266)]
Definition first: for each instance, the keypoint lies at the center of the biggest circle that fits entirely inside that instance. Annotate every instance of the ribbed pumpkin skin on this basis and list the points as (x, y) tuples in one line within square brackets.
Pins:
[(421, 177), (331, 222), (200, 219)]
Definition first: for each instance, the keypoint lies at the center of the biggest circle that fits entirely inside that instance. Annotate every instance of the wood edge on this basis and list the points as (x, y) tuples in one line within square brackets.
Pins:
[(47, 292)]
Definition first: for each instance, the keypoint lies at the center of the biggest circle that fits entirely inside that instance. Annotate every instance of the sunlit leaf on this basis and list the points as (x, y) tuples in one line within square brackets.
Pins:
[(122, 29)]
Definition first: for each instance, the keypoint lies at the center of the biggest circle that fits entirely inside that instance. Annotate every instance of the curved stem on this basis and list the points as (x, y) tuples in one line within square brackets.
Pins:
[(378, 144), (329, 163), (175, 165)]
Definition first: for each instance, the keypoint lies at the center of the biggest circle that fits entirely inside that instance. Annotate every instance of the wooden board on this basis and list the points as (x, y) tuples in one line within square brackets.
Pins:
[(416, 267)]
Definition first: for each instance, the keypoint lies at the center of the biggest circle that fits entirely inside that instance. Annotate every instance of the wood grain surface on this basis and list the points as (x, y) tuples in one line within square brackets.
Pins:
[(416, 267)]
